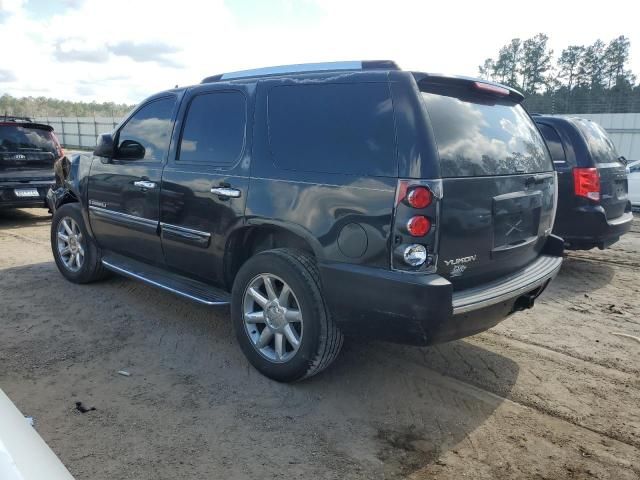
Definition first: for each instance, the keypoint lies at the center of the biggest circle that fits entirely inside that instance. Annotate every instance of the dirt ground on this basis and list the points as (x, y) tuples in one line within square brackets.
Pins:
[(551, 393)]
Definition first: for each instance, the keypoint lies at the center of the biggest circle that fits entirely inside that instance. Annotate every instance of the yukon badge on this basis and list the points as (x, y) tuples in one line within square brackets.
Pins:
[(459, 264)]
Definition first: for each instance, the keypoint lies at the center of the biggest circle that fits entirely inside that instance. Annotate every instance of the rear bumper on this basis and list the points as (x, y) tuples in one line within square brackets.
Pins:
[(588, 227), (424, 309), (9, 199), (520, 283)]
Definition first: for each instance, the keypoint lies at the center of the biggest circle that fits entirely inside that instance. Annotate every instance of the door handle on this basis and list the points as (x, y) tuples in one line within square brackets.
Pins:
[(226, 192), (145, 184), (538, 178)]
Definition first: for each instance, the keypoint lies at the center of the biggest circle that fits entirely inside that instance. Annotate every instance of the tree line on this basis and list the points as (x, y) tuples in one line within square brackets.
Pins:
[(52, 107), (592, 78)]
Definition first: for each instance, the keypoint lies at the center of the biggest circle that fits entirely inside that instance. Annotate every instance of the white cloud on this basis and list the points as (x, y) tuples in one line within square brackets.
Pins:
[(65, 54)]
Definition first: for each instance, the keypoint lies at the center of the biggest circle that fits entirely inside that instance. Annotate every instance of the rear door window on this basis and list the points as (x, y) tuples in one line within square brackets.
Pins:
[(599, 144), (214, 129), (480, 136), (553, 142), (333, 128)]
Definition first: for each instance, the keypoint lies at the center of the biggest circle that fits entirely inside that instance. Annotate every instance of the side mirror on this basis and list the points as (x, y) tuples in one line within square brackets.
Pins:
[(131, 150), (623, 160), (104, 146)]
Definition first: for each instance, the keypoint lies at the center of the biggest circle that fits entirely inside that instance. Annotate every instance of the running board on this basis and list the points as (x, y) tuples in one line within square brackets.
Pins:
[(183, 286)]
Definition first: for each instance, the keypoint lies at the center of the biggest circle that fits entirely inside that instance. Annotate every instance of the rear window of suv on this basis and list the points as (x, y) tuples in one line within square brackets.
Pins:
[(599, 144), (20, 139), (481, 136)]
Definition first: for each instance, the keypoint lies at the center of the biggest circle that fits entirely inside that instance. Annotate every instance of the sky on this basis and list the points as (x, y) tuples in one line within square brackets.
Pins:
[(126, 50)]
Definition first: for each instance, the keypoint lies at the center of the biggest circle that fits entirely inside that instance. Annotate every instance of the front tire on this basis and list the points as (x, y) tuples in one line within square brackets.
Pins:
[(76, 254), (280, 318)]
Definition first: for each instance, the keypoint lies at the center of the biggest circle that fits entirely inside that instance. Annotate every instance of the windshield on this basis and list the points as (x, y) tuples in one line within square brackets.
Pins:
[(480, 138), (16, 138), (600, 145)]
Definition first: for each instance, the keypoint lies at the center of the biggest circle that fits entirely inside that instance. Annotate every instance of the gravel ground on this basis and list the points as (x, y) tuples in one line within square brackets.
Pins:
[(551, 393)]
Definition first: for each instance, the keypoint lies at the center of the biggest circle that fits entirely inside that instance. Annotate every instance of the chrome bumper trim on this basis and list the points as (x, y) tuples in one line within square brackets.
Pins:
[(533, 276)]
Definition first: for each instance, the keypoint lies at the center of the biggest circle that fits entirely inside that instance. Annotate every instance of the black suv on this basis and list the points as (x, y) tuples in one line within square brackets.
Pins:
[(28, 151), (319, 200), (593, 208)]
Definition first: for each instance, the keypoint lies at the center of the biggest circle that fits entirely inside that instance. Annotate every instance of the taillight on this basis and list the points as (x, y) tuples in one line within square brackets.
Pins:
[(59, 150), (419, 197), (418, 226), (416, 214), (414, 255), (586, 183)]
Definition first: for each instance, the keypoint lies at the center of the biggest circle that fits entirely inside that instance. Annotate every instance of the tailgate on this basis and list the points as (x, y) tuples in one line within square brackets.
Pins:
[(613, 189), (499, 187), (492, 226), (25, 160)]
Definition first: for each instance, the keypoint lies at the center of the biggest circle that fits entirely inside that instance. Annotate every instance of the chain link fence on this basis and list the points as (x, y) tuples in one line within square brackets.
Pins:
[(558, 104)]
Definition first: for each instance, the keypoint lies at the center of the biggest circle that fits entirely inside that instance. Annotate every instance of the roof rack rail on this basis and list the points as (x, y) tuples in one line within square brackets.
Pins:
[(15, 118), (304, 68)]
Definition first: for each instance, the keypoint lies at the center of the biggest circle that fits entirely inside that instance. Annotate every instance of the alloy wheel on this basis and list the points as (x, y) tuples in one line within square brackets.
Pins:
[(71, 245), (272, 317)]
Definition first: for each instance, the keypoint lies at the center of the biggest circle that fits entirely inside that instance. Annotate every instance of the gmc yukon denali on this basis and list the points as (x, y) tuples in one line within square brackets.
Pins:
[(321, 200)]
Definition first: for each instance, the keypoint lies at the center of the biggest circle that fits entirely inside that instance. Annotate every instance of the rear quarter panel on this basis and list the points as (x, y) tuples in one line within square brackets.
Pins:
[(345, 218)]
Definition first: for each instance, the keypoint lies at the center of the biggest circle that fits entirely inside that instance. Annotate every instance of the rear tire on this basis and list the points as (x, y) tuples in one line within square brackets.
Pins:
[(280, 318), (76, 254)]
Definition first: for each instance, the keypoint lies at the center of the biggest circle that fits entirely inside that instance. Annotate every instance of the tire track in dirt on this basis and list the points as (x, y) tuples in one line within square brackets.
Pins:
[(550, 386), (630, 264), (588, 359), (24, 238)]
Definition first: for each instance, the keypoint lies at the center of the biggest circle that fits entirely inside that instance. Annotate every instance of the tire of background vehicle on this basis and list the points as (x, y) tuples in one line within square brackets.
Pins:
[(320, 339), (91, 268)]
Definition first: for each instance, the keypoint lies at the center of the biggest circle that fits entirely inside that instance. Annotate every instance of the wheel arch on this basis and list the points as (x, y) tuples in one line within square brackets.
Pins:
[(66, 197), (251, 239)]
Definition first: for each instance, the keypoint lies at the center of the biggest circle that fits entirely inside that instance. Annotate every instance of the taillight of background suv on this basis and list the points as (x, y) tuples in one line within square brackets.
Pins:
[(586, 183)]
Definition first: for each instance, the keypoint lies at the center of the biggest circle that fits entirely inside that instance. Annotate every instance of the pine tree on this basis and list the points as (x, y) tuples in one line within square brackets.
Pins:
[(536, 63)]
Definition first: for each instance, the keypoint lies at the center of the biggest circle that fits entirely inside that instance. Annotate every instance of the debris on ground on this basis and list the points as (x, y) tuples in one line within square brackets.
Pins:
[(82, 409)]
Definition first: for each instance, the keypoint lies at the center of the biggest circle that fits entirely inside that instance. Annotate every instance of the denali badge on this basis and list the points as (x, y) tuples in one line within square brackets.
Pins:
[(460, 261), (458, 270), (97, 203)]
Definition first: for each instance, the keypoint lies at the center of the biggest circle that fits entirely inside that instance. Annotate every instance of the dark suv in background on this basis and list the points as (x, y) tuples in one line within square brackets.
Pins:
[(28, 151), (593, 207), (319, 200)]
